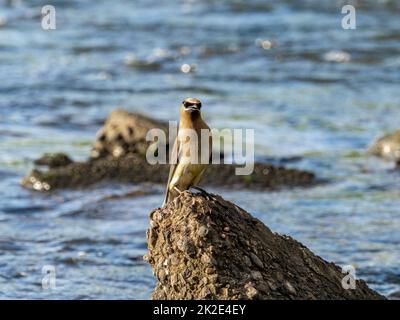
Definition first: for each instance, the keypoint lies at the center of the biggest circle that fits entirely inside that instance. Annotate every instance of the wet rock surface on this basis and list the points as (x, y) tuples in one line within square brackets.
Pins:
[(387, 147), (119, 154), (53, 160), (133, 168), (203, 247)]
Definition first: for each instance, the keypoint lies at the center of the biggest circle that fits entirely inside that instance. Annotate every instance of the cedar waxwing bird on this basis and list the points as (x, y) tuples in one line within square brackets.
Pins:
[(188, 167)]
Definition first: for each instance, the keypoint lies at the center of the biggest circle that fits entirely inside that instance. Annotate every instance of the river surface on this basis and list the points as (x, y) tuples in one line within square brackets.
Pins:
[(314, 93)]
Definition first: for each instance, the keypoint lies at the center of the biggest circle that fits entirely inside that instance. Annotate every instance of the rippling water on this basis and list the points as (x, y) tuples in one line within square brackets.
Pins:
[(286, 69)]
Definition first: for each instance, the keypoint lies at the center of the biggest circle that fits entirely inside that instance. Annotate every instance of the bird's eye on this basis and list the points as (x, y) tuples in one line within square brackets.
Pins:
[(199, 105)]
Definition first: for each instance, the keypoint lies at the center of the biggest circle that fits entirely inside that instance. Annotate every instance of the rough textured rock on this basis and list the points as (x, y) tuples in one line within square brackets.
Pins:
[(387, 147), (134, 168), (123, 133), (119, 154), (203, 247)]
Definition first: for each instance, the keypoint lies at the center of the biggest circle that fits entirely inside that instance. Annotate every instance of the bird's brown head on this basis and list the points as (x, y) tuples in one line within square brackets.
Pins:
[(191, 108)]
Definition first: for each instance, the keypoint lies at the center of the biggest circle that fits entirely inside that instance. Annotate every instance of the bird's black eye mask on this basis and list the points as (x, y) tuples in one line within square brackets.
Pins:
[(188, 104)]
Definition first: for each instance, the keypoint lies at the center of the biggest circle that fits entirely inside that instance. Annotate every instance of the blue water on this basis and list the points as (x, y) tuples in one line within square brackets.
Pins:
[(314, 90)]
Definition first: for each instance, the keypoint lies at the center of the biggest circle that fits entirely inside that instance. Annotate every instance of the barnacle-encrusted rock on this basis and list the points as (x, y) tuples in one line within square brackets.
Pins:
[(123, 133), (203, 247)]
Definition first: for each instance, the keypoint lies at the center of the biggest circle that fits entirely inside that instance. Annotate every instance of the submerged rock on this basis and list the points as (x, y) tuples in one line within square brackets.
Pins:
[(119, 154), (53, 160), (387, 147), (204, 247), (394, 295)]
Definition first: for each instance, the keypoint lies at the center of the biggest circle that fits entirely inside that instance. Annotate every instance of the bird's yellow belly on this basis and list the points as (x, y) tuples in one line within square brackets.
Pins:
[(186, 175)]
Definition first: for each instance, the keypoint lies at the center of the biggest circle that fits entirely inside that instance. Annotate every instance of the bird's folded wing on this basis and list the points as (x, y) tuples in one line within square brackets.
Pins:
[(174, 160)]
